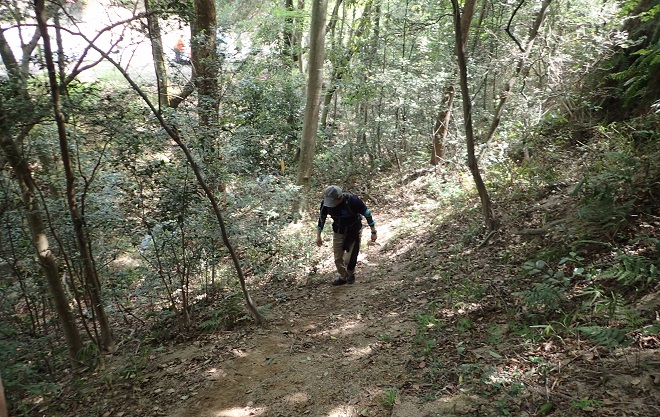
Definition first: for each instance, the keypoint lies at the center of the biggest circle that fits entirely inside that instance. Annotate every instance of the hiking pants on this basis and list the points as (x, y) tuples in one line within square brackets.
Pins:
[(345, 260)]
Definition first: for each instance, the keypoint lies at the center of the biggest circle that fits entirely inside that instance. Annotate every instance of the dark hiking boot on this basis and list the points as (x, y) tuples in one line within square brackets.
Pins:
[(351, 279), (339, 281)]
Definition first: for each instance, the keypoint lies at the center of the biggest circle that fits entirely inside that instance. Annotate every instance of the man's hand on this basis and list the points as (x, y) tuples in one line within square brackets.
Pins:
[(374, 235), (319, 241)]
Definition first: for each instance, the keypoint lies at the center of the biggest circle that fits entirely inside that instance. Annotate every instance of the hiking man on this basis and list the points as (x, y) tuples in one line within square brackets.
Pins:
[(179, 49), (346, 211)]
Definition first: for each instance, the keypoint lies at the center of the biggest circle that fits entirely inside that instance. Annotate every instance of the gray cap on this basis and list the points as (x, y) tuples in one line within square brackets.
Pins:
[(331, 196)]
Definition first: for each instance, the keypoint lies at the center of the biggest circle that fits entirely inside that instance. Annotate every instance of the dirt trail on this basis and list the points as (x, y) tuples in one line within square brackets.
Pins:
[(328, 351)]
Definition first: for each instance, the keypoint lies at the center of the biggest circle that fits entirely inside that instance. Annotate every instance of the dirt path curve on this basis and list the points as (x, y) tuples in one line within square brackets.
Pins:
[(328, 351)]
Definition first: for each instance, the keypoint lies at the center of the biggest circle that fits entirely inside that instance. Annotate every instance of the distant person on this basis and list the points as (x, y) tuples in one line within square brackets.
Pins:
[(179, 49), (346, 211)]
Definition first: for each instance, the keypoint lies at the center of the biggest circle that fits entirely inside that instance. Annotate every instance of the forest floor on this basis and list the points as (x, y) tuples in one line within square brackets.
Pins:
[(430, 328)]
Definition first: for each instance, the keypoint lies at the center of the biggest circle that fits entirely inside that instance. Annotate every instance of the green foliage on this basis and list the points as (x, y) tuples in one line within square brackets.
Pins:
[(226, 313), (548, 295), (428, 329), (606, 336), (26, 363), (266, 116), (633, 270), (463, 325), (633, 72), (389, 397), (621, 181), (587, 404)]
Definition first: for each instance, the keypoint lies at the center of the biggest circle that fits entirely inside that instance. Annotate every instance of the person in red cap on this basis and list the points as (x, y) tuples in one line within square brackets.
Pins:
[(346, 211)]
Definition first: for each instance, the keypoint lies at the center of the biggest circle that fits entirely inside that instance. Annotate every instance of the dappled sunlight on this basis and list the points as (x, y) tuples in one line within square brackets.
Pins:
[(239, 353), (341, 411), (502, 375), (347, 328), (241, 412), (360, 352), (214, 374), (297, 398)]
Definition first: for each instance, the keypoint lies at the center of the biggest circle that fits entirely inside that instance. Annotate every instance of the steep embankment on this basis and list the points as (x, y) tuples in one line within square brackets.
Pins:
[(432, 327)]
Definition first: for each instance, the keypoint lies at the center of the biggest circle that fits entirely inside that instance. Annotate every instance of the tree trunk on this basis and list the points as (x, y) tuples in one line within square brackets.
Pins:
[(297, 37), (441, 127), (158, 53), (17, 73), (206, 64), (343, 54), (327, 99), (174, 135), (91, 279), (314, 81), (289, 34), (521, 71), (45, 257), (3, 402), (466, 20), (487, 208)]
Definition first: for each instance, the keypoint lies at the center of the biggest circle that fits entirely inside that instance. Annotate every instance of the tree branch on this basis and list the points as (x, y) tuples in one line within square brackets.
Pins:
[(508, 26)]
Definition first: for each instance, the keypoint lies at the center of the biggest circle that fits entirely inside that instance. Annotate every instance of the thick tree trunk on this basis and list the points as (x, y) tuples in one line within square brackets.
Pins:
[(441, 127), (91, 279), (314, 81), (486, 205), (158, 53)]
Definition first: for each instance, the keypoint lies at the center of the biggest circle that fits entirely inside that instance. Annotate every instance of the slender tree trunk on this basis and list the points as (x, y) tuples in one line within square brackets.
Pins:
[(207, 70), (441, 127), (17, 72), (486, 205), (314, 81), (343, 54), (89, 271), (289, 33), (174, 135), (3, 402), (158, 53), (206, 64), (466, 20), (61, 65), (297, 37), (327, 98), (41, 245), (522, 70)]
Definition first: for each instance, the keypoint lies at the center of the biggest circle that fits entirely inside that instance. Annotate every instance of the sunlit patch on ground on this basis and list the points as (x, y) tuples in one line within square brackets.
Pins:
[(297, 398), (342, 412), (216, 373), (241, 412)]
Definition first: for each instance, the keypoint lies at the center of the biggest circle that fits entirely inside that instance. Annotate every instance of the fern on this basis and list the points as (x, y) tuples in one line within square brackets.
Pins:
[(545, 296), (634, 270), (606, 336)]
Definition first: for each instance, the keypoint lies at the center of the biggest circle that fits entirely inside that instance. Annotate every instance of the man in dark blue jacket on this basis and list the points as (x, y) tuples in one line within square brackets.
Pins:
[(346, 211)]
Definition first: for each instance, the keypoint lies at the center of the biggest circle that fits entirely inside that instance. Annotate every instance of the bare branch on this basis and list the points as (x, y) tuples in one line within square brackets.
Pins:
[(508, 26)]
